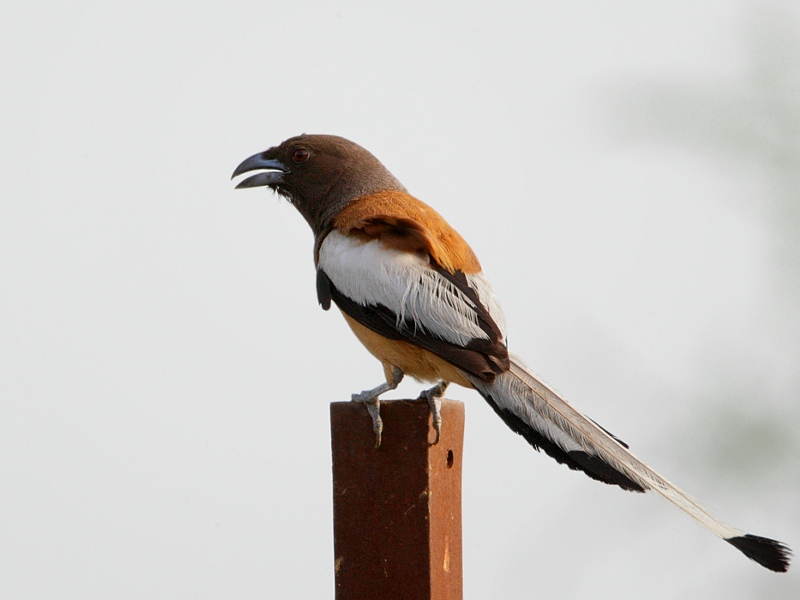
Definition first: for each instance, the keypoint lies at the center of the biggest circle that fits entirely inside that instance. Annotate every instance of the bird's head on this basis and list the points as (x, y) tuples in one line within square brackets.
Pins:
[(318, 174)]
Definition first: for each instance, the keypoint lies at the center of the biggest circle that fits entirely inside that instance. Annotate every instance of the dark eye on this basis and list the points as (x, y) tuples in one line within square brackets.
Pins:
[(300, 155)]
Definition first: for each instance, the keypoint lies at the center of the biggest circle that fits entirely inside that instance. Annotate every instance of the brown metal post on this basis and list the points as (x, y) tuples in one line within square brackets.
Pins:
[(397, 509)]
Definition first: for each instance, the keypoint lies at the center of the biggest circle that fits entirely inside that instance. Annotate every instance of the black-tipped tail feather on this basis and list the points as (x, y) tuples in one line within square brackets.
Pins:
[(549, 423), (768, 553)]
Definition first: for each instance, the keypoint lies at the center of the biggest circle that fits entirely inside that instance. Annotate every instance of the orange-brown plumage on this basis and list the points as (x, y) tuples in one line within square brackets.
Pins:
[(402, 222), (412, 360)]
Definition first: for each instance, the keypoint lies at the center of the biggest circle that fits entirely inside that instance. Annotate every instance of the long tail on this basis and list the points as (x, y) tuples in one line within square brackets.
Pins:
[(549, 423)]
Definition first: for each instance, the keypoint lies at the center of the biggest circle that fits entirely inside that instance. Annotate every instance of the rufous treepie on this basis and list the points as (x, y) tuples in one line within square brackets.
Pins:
[(414, 294)]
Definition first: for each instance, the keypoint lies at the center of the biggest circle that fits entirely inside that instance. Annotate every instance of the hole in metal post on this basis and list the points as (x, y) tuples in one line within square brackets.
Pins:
[(449, 459)]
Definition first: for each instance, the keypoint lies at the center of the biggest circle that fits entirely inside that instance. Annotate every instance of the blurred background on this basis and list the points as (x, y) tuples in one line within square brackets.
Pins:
[(629, 174)]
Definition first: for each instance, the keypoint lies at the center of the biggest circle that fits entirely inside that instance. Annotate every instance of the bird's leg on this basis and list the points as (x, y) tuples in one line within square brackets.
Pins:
[(370, 398), (434, 398)]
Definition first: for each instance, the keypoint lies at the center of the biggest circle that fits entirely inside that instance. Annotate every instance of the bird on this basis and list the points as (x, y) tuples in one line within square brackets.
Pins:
[(414, 294)]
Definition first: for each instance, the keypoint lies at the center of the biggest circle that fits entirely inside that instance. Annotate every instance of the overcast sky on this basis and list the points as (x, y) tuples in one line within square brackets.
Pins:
[(628, 173)]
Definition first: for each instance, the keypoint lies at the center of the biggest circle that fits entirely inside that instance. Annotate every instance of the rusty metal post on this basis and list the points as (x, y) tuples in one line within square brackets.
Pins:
[(397, 509)]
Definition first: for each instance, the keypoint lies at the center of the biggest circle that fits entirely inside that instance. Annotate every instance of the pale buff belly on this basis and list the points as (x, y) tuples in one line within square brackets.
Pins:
[(412, 360)]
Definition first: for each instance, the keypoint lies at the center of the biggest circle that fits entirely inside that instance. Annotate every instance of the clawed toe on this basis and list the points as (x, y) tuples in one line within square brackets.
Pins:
[(370, 398), (374, 409), (434, 398)]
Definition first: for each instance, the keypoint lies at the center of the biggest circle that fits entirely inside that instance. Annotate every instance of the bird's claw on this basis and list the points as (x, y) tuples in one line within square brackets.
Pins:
[(436, 416), (434, 398), (374, 408), (370, 398)]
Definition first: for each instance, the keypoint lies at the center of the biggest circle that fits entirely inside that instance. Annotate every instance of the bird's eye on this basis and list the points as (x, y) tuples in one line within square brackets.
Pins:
[(300, 155)]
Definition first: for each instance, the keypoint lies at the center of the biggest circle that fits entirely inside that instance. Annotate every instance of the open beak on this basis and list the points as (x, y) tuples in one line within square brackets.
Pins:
[(273, 172)]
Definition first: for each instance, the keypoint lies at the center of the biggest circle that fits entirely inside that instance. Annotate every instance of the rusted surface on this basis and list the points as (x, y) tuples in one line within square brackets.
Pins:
[(397, 509)]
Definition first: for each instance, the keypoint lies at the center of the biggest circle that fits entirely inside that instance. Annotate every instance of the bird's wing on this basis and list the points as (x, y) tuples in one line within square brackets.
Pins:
[(382, 270)]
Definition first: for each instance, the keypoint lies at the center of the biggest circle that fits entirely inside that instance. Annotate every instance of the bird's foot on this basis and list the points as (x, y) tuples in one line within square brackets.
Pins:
[(434, 398), (373, 403), (374, 409)]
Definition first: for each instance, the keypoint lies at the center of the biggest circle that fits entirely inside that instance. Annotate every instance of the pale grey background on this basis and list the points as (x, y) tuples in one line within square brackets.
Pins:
[(628, 172)]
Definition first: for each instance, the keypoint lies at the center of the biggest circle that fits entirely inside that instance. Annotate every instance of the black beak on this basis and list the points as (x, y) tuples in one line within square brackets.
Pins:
[(274, 174)]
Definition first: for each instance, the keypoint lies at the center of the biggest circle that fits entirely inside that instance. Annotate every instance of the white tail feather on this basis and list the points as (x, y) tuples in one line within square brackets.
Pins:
[(522, 393)]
